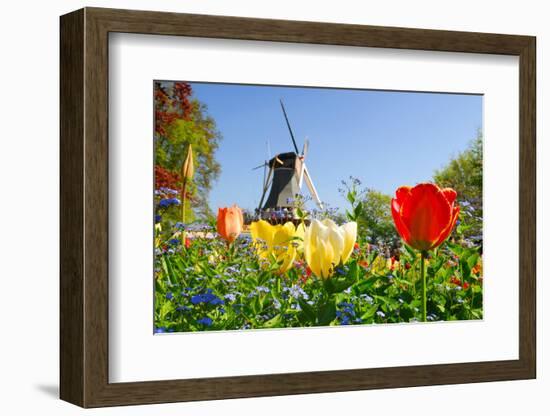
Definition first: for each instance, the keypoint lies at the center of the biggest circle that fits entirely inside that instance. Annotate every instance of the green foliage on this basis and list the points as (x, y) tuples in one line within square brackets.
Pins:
[(377, 217), (464, 174), (371, 210)]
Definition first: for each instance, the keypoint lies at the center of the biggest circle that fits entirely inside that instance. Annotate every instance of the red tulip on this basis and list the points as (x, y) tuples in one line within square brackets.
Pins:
[(455, 280), (363, 263), (424, 215), (230, 223)]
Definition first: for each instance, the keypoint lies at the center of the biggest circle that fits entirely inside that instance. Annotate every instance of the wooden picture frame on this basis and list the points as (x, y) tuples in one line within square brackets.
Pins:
[(84, 207)]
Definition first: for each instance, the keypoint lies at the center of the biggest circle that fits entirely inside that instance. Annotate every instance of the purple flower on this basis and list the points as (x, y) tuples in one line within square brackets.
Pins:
[(207, 297), (165, 203), (345, 320), (296, 292), (231, 297), (216, 301), (206, 321)]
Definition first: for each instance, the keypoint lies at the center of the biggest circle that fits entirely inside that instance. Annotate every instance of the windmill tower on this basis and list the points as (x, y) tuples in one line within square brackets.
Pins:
[(286, 173)]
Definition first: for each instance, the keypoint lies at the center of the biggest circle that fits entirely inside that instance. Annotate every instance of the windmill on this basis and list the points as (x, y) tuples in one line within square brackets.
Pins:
[(284, 175)]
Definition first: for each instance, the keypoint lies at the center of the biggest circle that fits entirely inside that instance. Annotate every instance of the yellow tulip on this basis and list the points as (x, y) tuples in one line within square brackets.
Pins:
[(281, 242), (326, 245), (158, 230)]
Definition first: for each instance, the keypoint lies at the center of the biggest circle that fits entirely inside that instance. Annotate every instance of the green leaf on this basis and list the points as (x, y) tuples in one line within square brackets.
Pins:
[(353, 270), (274, 322), (369, 313), (307, 310), (257, 305), (358, 210), (165, 309), (351, 197), (327, 313), (411, 251), (455, 248), (365, 286), (435, 265), (466, 269), (167, 266), (336, 285), (472, 260)]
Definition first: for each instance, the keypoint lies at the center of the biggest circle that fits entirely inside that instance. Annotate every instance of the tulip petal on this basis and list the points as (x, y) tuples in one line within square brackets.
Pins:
[(287, 259), (399, 224), (450, 195), (326, 256), (283, 234), (335, 241), (403, 193), (447, 231), (312, 251), (309, 246), (313, 259), (300, 234), (282, 241), (220, 224), (262, 235), (425, 213), (350, 235), (232, 224), (318, 229)]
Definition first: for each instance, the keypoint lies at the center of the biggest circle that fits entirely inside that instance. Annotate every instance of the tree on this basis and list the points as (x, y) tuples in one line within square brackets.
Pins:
[(371, 210), (377, 217), (181, 120), (464, 173)]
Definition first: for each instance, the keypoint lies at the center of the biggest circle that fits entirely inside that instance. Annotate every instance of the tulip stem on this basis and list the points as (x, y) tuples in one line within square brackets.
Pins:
[(423, 278)]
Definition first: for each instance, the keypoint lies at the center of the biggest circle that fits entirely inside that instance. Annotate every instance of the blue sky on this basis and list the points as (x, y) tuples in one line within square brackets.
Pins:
[(386, 139)]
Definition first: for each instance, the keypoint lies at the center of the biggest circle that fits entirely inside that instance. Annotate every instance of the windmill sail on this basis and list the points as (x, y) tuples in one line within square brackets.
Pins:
[(267, 184), (301, 166), (289, 128), (311, 188)]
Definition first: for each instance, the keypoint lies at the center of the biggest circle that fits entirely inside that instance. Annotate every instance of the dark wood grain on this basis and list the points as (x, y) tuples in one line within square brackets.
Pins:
[(527, 208), (84, 207), (71, 100)]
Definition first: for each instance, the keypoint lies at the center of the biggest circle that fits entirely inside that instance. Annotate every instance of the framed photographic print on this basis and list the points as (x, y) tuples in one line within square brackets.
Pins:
[(255, 207)]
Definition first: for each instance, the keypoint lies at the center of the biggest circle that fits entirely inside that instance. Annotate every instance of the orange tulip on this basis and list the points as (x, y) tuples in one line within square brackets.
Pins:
[(424, 215), (230, 223)]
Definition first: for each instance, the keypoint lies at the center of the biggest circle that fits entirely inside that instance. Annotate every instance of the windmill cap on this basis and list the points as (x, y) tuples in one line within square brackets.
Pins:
[(287, 159)]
